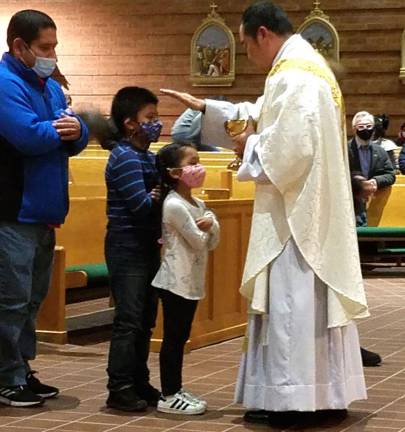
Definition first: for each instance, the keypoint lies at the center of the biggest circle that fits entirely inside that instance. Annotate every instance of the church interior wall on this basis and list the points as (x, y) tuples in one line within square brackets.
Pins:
[(105, 45)]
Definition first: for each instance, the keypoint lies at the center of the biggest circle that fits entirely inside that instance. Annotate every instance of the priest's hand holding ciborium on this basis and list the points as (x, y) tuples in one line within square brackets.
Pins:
[(239, 130)]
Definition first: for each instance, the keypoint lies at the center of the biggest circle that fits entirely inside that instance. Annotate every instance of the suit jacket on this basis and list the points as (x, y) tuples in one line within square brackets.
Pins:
[(381, 168)]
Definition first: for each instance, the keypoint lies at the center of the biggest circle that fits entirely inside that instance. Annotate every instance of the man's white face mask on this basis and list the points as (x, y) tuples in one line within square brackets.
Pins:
[(43, 66)]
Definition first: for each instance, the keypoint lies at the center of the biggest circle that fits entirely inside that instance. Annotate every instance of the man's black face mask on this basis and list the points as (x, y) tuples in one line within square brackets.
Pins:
[(365, 134)]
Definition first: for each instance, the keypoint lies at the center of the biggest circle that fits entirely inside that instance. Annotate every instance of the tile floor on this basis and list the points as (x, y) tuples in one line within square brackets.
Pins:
[(79, 371)]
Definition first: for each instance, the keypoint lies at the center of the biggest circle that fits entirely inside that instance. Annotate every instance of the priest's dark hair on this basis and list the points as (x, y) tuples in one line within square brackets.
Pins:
[(267, 14)]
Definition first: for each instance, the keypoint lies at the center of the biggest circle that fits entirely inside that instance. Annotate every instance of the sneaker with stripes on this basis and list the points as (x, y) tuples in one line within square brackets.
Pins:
[(19, 396), (194, 398), (179, 403)]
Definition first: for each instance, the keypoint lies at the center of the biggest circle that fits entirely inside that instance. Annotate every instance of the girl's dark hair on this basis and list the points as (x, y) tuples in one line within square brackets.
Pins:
[(170, 156), (26, 25), (126, 104)]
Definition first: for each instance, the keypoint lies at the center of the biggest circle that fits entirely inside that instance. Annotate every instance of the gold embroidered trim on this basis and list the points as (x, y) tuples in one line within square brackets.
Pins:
[(314, 68)]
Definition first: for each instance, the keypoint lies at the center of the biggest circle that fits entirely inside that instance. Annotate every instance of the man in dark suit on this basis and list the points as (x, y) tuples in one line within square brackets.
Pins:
[(371, 169), (371, 160)]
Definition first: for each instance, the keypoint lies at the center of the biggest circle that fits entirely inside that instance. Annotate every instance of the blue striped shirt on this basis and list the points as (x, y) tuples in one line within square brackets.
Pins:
[(130, 176)]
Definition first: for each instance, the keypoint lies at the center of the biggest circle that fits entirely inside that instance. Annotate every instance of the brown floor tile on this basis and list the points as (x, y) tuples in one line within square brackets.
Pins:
[(79, 371), (38, 423)]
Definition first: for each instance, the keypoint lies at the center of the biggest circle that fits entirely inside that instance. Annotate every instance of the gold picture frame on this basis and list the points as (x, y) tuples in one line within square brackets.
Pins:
[(213, 53), (402, 70), (321, 33)]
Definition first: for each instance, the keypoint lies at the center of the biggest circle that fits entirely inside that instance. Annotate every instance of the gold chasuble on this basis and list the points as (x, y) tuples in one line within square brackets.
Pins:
[(303, 153)]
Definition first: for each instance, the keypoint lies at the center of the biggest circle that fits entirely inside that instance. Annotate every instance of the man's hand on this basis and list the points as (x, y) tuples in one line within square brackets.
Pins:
[(239, 141), (155, 193), (205, 223), (68, 128), (187, 99), (368, 188)]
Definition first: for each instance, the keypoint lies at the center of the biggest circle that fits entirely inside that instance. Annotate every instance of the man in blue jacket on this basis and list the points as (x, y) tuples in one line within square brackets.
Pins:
[(37, 136)]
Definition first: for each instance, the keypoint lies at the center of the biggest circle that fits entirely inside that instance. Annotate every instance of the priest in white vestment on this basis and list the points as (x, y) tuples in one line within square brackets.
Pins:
[(302, 273)]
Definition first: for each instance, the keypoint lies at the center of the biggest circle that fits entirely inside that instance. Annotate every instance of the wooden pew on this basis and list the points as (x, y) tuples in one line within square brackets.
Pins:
[(221, 314), (387, 207), (386, 226)]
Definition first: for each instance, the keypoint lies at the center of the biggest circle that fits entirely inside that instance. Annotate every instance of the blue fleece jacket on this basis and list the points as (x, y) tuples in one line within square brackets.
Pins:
[(33, 158)]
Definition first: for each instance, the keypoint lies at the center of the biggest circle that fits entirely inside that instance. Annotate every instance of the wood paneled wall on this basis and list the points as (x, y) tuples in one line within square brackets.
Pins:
[(106, 44)]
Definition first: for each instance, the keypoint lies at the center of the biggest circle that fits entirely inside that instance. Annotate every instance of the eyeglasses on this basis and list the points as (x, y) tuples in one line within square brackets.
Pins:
[(364, 127)]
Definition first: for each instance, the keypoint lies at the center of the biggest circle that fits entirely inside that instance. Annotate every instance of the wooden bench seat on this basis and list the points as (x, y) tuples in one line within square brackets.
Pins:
[(220, 316)]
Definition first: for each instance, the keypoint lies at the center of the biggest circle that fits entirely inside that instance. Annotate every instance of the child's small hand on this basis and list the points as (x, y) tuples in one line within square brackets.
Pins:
[(155, 193), (204, 223)]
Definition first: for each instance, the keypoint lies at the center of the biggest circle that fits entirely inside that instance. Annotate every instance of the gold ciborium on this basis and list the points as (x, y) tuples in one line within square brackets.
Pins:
[(234, 128)]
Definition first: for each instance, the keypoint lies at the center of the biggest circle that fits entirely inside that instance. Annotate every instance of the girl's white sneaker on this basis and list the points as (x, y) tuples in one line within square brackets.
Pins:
[(179, 404), (194, 398)]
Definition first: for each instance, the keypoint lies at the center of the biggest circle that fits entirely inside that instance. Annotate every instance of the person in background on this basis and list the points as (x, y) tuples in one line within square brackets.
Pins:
[(187, 128), (400, 141), (370, 159), (37, 136), (190, 230), (401, 160), (382, 122)]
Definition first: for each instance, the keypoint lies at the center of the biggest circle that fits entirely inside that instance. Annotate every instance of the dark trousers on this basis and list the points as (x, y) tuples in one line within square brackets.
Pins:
[(26, 255), (178, 314), (132, 264)]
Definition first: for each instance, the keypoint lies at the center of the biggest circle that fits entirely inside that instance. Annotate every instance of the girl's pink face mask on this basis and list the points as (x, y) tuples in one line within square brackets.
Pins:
[(193, 176)]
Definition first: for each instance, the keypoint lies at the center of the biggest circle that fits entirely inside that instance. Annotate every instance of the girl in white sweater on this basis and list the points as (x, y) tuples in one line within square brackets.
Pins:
[(190, 230)]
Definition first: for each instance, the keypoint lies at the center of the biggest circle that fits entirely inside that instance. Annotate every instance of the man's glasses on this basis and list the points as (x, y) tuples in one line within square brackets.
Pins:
[(364, 127)]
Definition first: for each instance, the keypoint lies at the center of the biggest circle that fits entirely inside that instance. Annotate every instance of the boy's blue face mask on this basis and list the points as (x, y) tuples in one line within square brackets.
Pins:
[(152, 130)]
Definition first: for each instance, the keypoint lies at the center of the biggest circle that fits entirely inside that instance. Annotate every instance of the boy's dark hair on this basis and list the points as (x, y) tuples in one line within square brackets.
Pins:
[(128, 102), (265, 13), (26, 25), (170, 156)]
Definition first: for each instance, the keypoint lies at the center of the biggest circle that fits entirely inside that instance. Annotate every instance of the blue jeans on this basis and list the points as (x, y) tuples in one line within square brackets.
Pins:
[(26, 255), (132, 264)]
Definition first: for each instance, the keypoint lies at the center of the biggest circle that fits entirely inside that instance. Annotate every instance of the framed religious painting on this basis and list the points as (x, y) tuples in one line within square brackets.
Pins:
[(213, 53), (321, 34)]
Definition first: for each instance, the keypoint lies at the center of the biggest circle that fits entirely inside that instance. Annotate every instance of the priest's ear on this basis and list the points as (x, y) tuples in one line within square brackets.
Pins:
[(263, 33)]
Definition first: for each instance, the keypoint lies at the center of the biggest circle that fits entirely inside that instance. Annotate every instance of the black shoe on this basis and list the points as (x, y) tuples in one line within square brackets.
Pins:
[(257, 416), (279, 419), (336, 414), (43, 390), (320, 420), (370, 358), (126, 400), (150, 394), (19, 396)]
